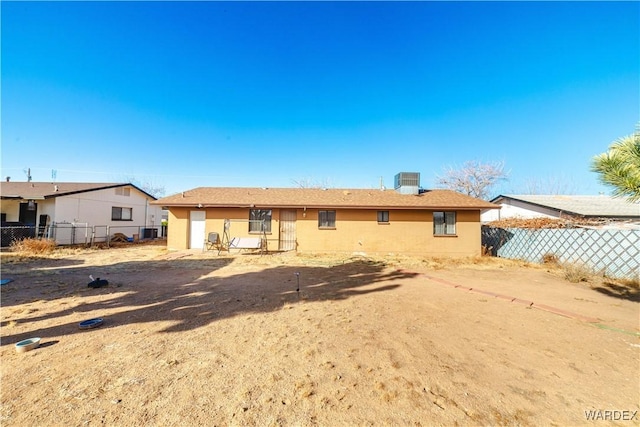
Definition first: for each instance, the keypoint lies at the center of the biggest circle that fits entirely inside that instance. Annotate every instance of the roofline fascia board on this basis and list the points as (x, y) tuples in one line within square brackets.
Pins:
[(253, 206), (53, 195), (24, 198), (102, 188), (560, 211)]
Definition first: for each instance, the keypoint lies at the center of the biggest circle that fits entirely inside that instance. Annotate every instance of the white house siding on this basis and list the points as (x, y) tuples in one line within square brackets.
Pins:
[(517, 209), (91, 209), (46, 207), (11, 208), (94, 208)]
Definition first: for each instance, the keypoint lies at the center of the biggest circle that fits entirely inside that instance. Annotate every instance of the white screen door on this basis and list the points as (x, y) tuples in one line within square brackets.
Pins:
[(196, 226)]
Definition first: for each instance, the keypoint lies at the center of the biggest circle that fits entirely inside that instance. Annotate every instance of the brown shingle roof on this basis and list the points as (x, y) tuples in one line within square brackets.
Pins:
[(47, 190), (321, 198)]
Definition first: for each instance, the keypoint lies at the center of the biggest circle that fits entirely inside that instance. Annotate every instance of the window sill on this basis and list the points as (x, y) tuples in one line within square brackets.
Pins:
[(445, 235), (124, 220), (383, 223), (326, 228)]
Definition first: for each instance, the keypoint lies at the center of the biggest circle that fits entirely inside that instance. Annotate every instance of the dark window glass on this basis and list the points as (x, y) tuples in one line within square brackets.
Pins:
[(326, 219), (256, 218), (383, 216), (444, 223)]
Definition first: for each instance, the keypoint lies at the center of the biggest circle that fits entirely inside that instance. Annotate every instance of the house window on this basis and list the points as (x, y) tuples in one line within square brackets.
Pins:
[(121, 214), (326, 219), (123, 191), (383, 217), (255, 218), (444, 223)]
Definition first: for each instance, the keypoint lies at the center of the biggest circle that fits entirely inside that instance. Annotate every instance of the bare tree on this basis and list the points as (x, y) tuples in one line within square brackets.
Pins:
[(551, 185), (155, 190), (473, 178), (312, 183), (147, 186)]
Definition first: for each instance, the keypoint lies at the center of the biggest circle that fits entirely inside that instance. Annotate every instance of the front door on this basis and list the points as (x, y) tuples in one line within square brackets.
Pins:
[(288, 230), (28, 216), (196, 229)]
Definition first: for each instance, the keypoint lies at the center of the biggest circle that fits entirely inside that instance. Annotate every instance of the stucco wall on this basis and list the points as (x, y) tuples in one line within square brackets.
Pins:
[(43, 207), (178, 229), (11, 208), (94, 208), (408, 231)]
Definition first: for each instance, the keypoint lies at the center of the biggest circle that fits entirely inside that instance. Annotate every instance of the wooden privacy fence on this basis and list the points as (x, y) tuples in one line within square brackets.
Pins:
[(610, 252)]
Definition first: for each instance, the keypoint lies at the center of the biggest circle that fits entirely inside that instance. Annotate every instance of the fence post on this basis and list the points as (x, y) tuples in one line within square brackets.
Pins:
[(108, 236)]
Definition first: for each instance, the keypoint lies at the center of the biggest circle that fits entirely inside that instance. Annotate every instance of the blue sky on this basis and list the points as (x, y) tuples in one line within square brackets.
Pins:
[(182, 95)]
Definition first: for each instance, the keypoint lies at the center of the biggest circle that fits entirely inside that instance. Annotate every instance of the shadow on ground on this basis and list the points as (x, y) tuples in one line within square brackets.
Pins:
[(188, 293), (619, 291)]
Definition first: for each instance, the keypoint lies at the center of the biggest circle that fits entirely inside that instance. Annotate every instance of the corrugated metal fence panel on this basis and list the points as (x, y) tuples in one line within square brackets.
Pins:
[(615, 253)]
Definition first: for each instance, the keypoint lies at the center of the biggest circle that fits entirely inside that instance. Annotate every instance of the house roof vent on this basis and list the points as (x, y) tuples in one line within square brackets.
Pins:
[(407, 182)]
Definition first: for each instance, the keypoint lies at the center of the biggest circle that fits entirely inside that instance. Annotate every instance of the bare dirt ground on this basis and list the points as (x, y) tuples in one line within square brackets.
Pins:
[(196, 339)]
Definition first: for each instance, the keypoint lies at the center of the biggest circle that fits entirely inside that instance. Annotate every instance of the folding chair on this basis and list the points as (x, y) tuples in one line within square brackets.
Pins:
[(213, 241)]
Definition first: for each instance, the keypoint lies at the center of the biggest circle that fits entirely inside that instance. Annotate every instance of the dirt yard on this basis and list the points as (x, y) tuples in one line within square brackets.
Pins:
[(199, 339)]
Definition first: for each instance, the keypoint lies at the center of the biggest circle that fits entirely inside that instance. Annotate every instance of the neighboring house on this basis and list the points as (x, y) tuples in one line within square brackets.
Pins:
[(406, 220), (562, 206), (112, 206)]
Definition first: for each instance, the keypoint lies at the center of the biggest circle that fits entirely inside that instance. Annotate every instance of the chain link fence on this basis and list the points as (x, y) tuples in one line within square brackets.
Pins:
[(10, 234), (81, 233), (610, 252)]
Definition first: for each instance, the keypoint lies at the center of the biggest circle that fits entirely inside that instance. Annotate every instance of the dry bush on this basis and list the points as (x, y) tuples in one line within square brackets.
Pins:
[(539, 223), (34, 246), (550, 259), (476, 262), (576, 272), (630, 283), (535, 223)]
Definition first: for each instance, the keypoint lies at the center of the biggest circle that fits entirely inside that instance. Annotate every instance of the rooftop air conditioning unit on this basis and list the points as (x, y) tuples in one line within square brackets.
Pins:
[(407, 182)]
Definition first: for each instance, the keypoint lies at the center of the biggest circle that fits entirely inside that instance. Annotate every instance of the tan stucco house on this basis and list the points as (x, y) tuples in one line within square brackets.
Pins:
[(308, 220)]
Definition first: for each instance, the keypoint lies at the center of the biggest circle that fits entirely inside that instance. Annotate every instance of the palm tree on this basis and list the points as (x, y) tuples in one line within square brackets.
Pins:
[(620, 167)]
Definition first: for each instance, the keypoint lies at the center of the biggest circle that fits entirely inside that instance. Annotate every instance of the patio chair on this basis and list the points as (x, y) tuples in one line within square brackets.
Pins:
[(213, 241)]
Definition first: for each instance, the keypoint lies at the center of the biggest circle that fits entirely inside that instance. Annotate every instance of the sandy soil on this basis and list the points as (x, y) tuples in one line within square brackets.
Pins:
[(196, 339)]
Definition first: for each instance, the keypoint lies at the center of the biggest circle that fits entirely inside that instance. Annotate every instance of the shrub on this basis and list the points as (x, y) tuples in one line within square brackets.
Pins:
[(550, 259), (34, 246), (630, 283), (575, 272), (487, 250)]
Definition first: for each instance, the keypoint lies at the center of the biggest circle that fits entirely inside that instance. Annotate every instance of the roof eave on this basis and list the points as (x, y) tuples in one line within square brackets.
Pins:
[(316, 206)]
